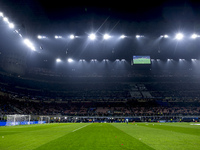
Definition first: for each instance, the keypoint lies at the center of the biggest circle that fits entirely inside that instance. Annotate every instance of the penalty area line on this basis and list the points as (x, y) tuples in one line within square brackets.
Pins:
[(80, 128)]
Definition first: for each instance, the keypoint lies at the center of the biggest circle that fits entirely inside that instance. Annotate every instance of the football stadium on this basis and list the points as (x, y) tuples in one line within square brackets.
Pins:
[(99, 75)]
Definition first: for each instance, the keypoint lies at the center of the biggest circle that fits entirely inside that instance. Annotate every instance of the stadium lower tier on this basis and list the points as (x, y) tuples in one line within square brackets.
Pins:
[(144, 111)]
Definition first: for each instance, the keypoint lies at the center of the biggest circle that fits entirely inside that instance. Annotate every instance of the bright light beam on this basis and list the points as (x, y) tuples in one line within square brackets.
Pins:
[(122, 36), (194, 36), (41, 37), (5, 19), (92, 36), (71, 36), (29, 44), (70, 60), (179, 36), (58, 60), (106, 36), (58, 37), (1, 14), (11, 25)]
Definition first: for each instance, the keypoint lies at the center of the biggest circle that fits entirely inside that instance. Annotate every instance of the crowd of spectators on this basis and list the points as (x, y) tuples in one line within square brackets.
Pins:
[(10, 105), (82, 96)]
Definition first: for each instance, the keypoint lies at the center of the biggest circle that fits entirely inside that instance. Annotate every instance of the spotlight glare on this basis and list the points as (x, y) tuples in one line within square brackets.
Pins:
[(179, 36), (106, 36), (181, 59), (194, 36), (92, 36), (122, 36), (29, 44), (70, 60), (58, 60), (93, 60), (164, 36), (137, 36), (58, 37), (106, 60), (11, 25), (82, 60), (71, 36), (41, 37), (5, 19), (1, 14), (123, 60)]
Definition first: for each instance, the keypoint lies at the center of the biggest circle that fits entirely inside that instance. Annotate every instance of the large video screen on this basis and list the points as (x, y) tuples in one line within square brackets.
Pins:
[(141, 60)]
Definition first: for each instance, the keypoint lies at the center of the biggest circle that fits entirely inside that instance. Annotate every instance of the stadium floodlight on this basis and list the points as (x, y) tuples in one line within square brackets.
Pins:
[(94, 60), (70, 60), (71, 36), (123, 60), (169, 59), (92, 36), (11, 25), (29, 44), (105, 60), (122, 36), (82, 60), (179, 36), (58, 60), (20, 35), (137, 36), (181, 59), (1, 14), (58, 37), (41, 37), (5, 19), (106, 36), (164, 36), (194, 36), (193, 59)]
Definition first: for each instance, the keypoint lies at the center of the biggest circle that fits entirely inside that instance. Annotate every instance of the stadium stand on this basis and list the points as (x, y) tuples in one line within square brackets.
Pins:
[(135, 96)]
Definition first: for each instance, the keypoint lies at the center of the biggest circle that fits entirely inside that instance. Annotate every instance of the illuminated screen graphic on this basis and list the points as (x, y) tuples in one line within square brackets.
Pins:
[(141, 60)]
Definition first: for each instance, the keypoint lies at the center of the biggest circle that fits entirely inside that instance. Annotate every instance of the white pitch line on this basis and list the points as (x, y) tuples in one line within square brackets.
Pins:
[(80, 128)]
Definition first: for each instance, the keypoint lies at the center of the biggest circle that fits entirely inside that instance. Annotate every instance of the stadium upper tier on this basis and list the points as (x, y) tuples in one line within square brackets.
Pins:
[(176, 87)]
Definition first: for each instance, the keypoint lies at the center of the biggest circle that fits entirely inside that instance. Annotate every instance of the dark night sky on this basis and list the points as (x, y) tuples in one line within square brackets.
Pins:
[(42, 14)]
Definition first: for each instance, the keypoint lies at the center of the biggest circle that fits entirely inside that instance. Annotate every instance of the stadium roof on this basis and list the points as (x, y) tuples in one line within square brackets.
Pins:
[(148, 19), (39, 16)]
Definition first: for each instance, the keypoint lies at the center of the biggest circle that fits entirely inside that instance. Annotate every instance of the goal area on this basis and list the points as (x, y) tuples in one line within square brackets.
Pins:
[(44, 119), (18, 119)]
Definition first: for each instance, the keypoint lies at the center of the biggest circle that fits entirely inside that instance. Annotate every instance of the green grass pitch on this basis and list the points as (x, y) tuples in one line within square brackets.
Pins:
[(101, 136)]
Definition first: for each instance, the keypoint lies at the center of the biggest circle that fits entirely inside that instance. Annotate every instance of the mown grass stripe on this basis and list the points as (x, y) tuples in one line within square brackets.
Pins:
[(35, 136), (181, 129), (152, 135), (80, 128), (98, 137)]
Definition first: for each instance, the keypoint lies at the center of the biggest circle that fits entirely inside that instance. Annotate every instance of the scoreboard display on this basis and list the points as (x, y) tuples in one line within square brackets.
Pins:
[(141, 60)]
